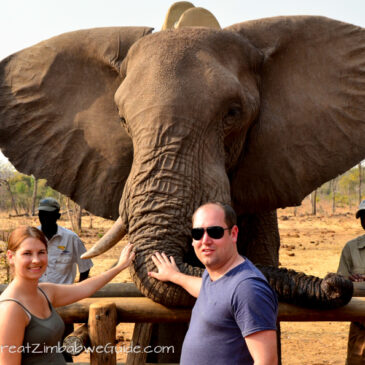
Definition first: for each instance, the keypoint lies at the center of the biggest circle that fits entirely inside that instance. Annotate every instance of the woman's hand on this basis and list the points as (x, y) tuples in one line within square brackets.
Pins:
[(166, 267), (126, 257)]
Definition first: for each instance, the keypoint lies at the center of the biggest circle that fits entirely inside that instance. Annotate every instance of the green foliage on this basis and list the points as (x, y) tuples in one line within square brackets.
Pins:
[(21, 187), (344, 189)]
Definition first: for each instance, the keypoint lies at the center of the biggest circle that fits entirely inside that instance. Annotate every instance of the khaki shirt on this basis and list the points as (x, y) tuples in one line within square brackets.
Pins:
[(64, 251), (352, 259)]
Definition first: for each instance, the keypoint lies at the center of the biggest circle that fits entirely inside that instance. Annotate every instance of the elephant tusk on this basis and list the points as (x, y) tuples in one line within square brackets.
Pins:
[(112, 237)]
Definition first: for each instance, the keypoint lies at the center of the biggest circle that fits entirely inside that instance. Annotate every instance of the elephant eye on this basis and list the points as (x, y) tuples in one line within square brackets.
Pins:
[(233, 114), (124, 125)]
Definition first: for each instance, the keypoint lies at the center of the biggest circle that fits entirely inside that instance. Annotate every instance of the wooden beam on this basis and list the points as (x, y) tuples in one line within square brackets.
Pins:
[(124, 290), (76, 342), (353, 311), (120, 290), (359, 289), (129, 310), (139, 310), (129, 290)]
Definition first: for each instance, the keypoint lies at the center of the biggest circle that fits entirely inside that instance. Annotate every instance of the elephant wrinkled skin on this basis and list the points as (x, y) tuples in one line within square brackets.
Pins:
[(257, 115)]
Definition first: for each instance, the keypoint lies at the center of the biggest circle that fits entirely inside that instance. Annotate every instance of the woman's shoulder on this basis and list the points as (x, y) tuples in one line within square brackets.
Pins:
[(48, 289), (14, 309)]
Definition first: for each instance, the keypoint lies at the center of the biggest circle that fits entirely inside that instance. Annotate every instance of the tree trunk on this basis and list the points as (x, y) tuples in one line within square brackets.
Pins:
[(314, 202), (6, 182), (91, 220), (74, 213), (69, 214), (34, 197), (350, 200), (79, 217), (334, 190), (360, 183)]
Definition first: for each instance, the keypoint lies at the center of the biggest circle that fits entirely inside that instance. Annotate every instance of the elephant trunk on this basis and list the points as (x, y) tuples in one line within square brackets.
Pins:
[(145, 246), (308, 291), (161, 222), (165, 186)]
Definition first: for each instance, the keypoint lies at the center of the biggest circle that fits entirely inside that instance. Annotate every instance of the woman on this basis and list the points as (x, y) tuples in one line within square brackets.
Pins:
[(30, 328)]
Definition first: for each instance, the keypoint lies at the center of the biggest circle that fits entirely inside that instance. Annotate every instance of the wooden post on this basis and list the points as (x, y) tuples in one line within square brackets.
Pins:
[(141, 338), (102, 332)]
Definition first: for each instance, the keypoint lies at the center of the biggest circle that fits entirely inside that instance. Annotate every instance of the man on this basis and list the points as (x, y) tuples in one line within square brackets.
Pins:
[(234, 318), (64, 251), (352, 266), (64, 247)]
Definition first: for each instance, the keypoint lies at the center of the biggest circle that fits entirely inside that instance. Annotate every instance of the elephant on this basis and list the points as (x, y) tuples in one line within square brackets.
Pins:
[(143, 127)]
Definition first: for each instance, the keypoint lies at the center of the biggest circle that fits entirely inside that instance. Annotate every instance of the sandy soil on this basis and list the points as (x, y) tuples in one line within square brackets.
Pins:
[(310, 244), (313, 245)]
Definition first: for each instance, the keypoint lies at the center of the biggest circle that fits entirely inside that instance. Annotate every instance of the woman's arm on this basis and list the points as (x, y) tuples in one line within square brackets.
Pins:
[(13, 321), (168, 271), (60, 294)]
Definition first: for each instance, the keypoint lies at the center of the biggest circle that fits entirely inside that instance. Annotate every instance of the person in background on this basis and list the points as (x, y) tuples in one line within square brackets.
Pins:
[(352, 266), (64, 247), (234, 318), (64, 251), (30, 328)]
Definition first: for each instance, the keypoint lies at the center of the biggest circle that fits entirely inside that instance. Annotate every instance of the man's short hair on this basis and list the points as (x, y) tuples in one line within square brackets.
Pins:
[(230, 216)]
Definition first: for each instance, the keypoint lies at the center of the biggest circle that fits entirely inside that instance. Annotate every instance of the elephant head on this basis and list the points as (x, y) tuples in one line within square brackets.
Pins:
[(257, 115)]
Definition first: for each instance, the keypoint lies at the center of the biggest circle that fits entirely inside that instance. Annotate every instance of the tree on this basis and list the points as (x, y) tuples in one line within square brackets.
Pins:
[(6, 183), (314, 202), (334, 183), (74, 213), (34, 197), (360, 182)]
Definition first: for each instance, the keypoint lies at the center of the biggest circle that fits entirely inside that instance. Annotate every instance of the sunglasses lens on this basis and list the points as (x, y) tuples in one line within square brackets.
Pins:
[(215, 232), (197, 233)]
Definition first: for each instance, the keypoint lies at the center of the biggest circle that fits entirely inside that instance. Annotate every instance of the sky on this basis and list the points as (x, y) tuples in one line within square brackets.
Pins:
[(27, 22)]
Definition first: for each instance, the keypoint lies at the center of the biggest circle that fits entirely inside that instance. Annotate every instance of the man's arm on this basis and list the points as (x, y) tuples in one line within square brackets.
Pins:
[(84, 275), (168, 271), (345, 268), (263, 348), (64, 294)]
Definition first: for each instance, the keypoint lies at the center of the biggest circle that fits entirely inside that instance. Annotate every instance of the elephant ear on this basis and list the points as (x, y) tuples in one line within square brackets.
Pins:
[(311, 124), (58, 119)]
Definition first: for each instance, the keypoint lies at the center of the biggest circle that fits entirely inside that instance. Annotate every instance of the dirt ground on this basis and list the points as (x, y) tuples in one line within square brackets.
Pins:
[(311, 244)]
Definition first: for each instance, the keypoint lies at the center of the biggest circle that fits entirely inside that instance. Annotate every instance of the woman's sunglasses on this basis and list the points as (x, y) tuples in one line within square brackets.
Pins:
[(215, 232)]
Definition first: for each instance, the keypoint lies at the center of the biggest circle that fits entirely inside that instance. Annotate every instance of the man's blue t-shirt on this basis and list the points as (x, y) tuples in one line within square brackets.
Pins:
[(228, 309)]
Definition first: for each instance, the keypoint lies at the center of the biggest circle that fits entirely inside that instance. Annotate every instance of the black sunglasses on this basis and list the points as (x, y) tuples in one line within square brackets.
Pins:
[(215, 232)]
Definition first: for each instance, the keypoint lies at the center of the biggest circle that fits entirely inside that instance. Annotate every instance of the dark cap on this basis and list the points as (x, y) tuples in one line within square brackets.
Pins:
[(49, 205), (361, 209)]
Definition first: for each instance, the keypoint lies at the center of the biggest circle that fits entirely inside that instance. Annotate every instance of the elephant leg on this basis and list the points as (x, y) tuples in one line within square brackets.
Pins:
[(259, 238), (170, 335)]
